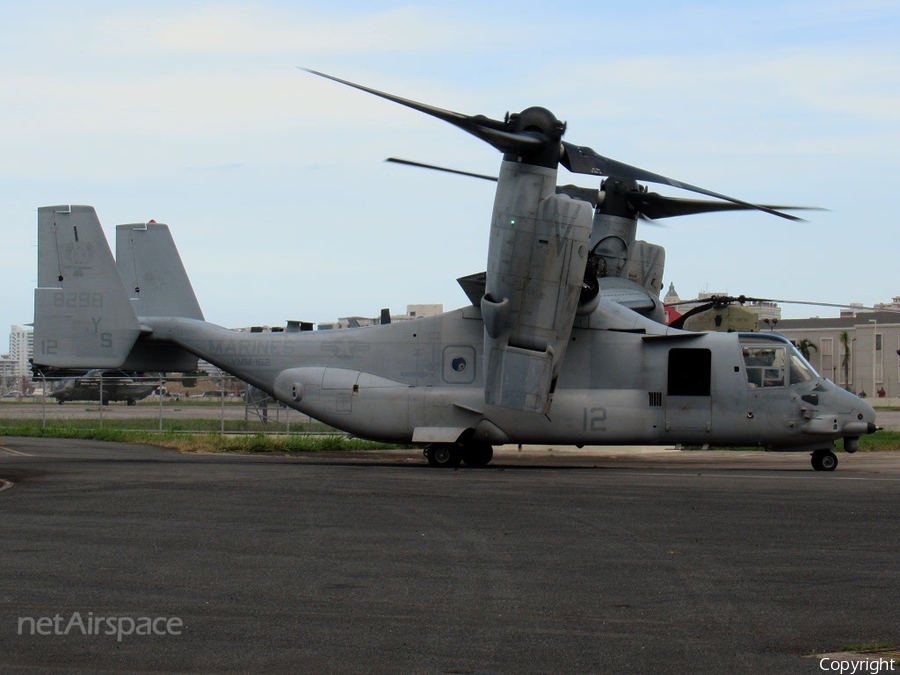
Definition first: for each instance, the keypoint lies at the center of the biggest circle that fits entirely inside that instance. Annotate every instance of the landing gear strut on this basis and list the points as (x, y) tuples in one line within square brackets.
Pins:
[(452, 454), (824, 460)]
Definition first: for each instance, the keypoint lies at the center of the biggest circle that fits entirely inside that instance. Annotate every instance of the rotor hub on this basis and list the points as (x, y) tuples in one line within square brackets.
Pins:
[(618, 194), (542, 125), (537, 120)]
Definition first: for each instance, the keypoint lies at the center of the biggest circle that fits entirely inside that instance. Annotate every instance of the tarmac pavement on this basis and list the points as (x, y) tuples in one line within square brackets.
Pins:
[(547, 561)]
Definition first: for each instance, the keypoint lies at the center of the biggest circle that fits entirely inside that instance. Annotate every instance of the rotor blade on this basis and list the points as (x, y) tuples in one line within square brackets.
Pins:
[(591, 195), (680, 321), (711, 300), (433, 167), (723, 300), (654, 205), (651, 205), (488, 130), (826, 304), (581, 159)]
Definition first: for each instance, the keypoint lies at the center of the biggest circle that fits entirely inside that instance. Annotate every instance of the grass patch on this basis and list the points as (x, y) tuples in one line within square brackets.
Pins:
[(188, 425), (880, 441), (260, 443), (873, 646), (192, 442)]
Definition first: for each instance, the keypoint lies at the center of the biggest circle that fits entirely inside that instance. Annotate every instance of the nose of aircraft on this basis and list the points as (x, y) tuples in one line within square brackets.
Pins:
[(860, 421), (862, 416), (868, 414), (843, 413)]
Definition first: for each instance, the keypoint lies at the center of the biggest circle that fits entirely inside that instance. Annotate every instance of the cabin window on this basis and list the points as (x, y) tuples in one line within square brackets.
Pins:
[(764, 366), (690, 372)]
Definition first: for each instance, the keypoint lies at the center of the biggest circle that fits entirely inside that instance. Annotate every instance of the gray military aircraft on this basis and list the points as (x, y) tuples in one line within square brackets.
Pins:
[(539, 357), (104, 387)]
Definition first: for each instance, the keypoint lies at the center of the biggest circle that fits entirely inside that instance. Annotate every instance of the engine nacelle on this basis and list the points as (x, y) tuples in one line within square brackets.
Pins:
[(537, 256)]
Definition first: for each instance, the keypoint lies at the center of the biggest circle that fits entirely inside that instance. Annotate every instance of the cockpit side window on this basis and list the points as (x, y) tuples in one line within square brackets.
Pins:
[(764, 365)]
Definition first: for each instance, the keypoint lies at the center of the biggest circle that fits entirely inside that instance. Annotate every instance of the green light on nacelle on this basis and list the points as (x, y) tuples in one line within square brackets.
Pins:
[(512, 221)]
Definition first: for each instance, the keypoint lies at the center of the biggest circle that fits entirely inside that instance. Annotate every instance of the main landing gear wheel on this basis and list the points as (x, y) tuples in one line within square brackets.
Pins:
[(478, 454), (451, 454), (824, 460), (443, 454)]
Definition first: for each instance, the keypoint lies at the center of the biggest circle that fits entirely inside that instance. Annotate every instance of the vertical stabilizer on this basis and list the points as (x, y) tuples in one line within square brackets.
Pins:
[(153, 273), (82, 315)]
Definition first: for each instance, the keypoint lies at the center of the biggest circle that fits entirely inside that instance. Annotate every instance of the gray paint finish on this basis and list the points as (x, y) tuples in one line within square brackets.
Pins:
[(424, 380)]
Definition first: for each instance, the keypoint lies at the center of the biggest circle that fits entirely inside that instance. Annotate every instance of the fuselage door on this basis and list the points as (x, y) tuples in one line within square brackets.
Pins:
[(688, 394)]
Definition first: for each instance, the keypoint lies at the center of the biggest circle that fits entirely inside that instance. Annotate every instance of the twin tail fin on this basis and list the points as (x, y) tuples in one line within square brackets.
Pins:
[(89, 308)]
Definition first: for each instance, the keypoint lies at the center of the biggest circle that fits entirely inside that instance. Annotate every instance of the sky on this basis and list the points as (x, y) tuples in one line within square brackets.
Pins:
[(196, 114)]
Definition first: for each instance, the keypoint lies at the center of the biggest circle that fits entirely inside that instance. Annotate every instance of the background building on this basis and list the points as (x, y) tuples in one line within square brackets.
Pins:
[(21, 349), (15, 367), (860, 353), (412, 312), (9, 381), (860, 350)]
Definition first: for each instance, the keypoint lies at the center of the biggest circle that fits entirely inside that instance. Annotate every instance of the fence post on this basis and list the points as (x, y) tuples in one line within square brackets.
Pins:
[(222, 396), (43, 401)]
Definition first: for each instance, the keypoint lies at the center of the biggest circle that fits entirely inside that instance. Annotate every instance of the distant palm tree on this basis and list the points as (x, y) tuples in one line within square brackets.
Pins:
[(804, 345), (844, 338)]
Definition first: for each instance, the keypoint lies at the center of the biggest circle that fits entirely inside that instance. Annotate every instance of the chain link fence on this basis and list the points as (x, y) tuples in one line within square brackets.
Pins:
[(164, 404)]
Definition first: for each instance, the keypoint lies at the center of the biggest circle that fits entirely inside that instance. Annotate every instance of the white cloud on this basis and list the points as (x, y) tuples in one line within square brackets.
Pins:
[(196, 114), (240, 28)]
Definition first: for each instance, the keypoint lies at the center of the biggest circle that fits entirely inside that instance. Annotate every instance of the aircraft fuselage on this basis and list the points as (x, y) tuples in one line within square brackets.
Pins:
[(627, 380)]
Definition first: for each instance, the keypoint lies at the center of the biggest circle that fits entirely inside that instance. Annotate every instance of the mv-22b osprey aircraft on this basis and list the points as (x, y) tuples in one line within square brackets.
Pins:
[(540, 356)]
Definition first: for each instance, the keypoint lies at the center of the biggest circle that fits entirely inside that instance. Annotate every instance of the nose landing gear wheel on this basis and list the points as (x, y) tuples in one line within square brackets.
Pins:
[(443, 454), (824, 460)]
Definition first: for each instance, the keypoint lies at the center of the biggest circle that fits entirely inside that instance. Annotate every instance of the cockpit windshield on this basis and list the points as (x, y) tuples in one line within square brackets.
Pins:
[(801, 371), (774, 365)]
